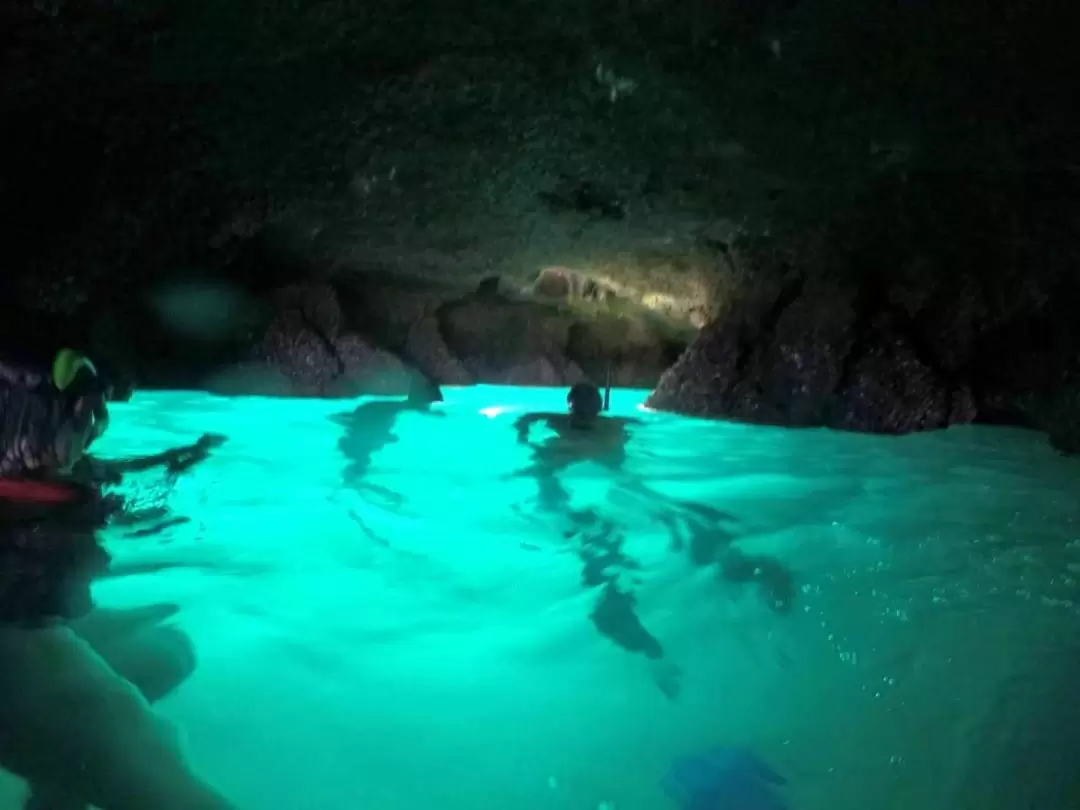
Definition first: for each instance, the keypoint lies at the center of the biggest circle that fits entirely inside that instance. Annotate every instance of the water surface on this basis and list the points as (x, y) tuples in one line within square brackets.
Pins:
[(423, 638)]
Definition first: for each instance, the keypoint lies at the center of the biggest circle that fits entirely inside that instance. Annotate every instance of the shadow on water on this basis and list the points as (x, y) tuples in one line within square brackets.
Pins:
[(369, 428)]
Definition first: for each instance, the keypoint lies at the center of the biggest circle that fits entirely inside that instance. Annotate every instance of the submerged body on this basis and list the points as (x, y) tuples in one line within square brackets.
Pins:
[(581, 434), (584, 434), (76, 720), (76, 683)]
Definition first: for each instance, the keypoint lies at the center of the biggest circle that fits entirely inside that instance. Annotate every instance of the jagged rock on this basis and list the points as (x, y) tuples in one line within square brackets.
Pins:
[(570, 286), (306, 349), (425, 345), (370, 335), (632, 347), (459, 337), (948, 304), (508, 342), (808, 357), (888, 389), (317, 303), (1058, 412)]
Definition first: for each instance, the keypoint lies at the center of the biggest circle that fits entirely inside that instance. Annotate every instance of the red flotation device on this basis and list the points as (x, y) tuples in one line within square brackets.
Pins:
[(26, 492), (27, 501)]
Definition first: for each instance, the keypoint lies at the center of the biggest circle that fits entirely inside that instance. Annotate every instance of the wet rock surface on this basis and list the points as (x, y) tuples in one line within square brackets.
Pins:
[(957, 308), (359, 334)]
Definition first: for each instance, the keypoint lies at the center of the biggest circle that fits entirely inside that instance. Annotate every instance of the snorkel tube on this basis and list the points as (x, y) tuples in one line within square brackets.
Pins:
[(76, 376), (607, 388), (67, 366)]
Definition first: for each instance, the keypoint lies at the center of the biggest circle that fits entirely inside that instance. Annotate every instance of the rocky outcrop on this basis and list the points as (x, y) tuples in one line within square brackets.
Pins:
[(811, 353), (307, 349), (365, 334), (490, 336), (938, 304)]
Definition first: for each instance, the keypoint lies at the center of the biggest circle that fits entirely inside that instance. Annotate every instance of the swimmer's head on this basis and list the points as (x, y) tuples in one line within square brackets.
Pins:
[(88, 392), (75, 374), (72, 370), (585, 401)]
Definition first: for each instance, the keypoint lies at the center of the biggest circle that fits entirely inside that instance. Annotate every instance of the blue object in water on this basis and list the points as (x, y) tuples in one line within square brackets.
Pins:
[(724, 778)]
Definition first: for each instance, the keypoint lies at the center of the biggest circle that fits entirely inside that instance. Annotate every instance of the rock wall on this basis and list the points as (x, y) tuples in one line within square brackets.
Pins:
[(363, 334), (941, 300)]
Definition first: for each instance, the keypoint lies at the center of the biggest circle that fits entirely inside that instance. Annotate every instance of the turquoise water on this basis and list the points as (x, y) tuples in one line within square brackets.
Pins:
[(424, 642)]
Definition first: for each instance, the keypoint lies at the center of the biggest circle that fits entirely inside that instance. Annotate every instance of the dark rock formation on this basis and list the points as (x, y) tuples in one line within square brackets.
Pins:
[(343, 337), (804, 355), (307, 349), (344, 179), (570, 286), (461, 338), (945, 300)]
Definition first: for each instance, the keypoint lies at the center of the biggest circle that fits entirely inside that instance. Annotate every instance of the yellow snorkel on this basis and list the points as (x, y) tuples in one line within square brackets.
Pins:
[(67, 365), (76, 376)]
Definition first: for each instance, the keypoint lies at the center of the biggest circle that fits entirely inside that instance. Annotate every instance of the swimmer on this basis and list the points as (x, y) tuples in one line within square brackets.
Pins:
[(49, 420), (583, 433), (599, 436)]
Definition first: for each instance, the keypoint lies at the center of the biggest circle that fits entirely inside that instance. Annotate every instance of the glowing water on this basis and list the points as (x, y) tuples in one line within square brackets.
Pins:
[(437, 652)]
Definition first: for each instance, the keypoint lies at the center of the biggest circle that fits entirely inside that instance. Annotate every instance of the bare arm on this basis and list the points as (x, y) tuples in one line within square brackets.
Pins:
[(175, 460)]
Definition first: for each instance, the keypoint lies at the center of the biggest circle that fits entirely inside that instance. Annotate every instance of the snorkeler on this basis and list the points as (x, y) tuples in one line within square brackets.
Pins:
[(49, 420), (583, 433)]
